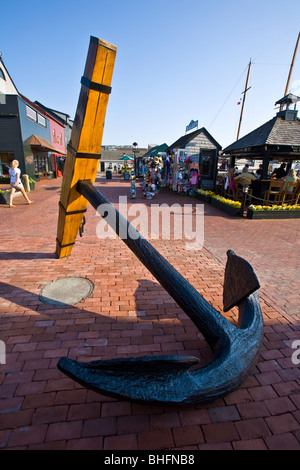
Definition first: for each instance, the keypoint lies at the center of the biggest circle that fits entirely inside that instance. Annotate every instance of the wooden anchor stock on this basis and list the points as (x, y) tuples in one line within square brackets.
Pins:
[(155, 379), (84, 149)]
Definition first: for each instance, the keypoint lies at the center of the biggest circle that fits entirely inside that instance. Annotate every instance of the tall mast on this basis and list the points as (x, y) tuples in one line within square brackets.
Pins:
[(291, 67), (244, 98)]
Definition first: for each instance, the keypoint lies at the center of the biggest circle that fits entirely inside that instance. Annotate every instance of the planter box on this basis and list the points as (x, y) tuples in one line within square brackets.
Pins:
[(32, 186), (234, 211), (204, 198), (273, 214), (4, 197), (5, 180)]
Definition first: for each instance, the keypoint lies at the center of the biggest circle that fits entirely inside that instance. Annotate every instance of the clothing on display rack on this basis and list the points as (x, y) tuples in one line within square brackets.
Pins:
[(152, 176), (182, 177)]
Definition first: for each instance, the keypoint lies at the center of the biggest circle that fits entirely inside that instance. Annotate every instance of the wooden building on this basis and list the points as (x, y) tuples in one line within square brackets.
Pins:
[(47, 149), (26, 131), (278, 140), (202, 149), (62, 117)]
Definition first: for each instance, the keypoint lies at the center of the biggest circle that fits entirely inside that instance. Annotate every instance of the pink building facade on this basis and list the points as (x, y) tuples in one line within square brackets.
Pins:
[(57, 132), (58, 141)]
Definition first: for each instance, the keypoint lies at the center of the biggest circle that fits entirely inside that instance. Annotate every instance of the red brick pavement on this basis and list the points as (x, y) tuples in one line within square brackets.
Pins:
[(130, 314)]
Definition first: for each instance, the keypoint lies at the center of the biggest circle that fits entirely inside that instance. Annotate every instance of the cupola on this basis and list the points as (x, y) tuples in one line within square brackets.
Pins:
[(286, 103)]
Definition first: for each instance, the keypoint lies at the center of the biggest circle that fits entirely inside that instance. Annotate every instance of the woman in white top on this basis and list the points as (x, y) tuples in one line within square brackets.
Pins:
[(16, 183), (291, 178)]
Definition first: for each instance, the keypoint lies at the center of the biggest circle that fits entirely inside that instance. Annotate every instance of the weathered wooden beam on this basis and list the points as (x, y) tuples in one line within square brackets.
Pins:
[(84, 150)]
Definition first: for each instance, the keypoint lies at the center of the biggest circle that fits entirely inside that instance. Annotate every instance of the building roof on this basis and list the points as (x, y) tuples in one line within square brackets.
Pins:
[(277, 131), (116, 152), (7, 85), (288, 99), (61, 116), (37, 141), (41, 111), (154, 151), (185, 139)]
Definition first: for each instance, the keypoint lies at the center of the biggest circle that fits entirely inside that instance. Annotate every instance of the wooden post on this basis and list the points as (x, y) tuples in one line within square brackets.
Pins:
[(291, 67), (84, 149)]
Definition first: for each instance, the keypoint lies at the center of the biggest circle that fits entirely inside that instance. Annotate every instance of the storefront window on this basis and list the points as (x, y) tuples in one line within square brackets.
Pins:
[(5, 161), (207, 164), (41, 164), (206, 167)]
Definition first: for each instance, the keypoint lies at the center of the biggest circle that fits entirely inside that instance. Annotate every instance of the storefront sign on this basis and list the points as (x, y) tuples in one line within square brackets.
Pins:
[(29, 159), (191, 125)]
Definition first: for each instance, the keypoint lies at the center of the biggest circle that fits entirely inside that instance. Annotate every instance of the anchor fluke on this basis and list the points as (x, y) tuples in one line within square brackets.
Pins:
[(176, 380), (239, 281)]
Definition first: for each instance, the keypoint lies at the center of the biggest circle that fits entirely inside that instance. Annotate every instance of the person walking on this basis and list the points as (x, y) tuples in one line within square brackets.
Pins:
[(16, 183)]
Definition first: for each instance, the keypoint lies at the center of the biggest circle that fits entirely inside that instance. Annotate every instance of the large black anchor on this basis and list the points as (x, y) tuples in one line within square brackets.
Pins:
[(181, 379)]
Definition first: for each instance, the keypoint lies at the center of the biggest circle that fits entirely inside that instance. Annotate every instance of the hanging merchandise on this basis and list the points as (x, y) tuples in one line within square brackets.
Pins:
[(169, 171), (132, 185), (194, 179), (180, 156), (182, 173), (152, 176), (183, 182), (168, 165)]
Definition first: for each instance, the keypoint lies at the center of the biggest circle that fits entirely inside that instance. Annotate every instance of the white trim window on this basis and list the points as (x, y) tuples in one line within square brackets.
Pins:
[(31, 113), (36, 117), (41, 120)]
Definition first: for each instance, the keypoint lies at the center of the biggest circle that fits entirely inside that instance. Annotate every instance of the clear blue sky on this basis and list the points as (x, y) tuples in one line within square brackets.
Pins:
[(177, 61)]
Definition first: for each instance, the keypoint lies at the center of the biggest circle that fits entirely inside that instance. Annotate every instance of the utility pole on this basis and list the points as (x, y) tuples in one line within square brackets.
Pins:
[(244, 98), (291, 67)]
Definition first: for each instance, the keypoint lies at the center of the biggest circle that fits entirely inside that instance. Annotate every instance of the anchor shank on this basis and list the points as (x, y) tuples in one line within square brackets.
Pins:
[(214, 327)]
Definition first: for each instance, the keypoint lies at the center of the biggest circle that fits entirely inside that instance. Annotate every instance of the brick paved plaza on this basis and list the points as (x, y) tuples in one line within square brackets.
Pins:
[(130, 314)]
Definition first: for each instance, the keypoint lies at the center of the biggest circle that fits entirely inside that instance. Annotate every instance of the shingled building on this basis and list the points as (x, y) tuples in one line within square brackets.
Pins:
[(277, 140)]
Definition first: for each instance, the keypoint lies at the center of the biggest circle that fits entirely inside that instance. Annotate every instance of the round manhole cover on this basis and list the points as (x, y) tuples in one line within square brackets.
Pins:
[(67, 291)]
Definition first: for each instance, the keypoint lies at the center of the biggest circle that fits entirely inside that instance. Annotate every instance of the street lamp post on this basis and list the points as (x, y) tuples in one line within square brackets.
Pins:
[(245, 192), (135, 151)]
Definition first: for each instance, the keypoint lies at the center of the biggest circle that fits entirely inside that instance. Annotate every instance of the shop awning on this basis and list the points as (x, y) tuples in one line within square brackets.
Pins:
[(37, 141)]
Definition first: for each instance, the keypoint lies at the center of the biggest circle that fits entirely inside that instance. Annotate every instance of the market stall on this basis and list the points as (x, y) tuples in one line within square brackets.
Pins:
[(182, 173), (152, 176)]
